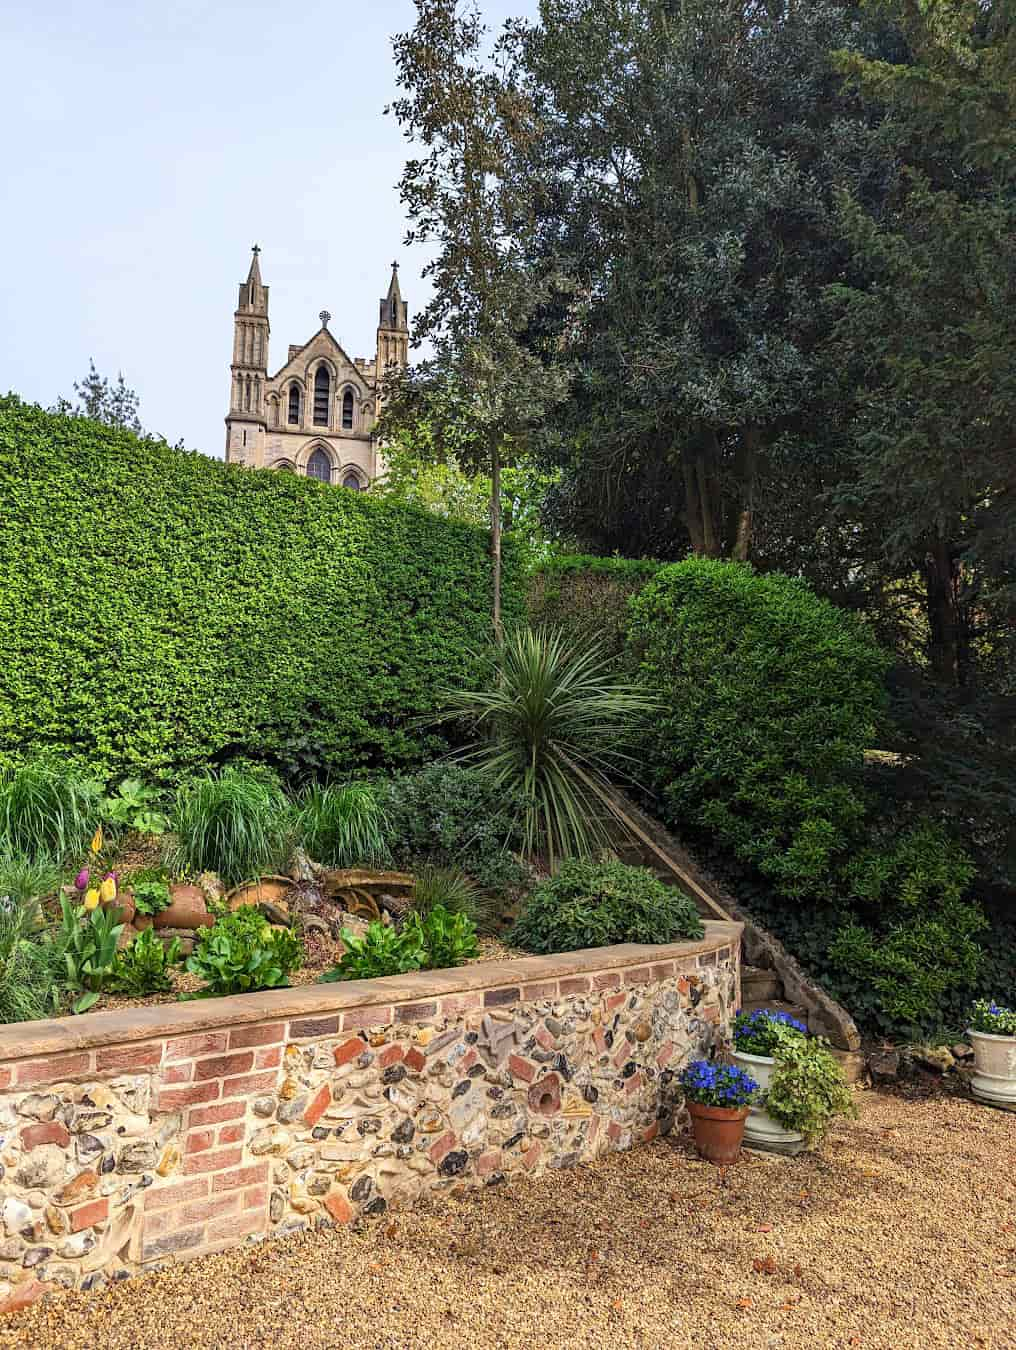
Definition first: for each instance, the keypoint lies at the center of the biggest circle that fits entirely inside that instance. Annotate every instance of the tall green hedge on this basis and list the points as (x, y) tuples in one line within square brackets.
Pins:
[(588, 596), (771, 696), (161, 611)]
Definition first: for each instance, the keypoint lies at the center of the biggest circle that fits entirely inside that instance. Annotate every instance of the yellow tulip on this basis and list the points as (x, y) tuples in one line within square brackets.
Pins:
[(107, 891), (97, 840), (92, 898)]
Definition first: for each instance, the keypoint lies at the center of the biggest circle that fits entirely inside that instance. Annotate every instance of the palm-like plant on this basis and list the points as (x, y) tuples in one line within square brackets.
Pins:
[(553, 724)]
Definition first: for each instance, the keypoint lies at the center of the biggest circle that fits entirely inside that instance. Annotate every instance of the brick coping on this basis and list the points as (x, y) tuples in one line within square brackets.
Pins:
[(30, 1040)]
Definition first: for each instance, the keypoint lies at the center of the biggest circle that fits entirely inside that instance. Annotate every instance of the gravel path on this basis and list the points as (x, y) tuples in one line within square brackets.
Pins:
[(901, 1232)]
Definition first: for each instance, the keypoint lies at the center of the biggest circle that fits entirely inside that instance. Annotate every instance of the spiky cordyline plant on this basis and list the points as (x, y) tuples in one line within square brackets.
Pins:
[(46, 809), (341, 825), (553, 722), (235, 824)]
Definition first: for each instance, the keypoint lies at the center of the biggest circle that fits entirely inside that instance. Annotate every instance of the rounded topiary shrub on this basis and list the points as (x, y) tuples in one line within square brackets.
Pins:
[(771, 696), (597, 904)]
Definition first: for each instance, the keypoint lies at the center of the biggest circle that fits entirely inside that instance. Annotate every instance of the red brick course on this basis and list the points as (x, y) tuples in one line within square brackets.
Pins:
[(242, 1038), (53, 1070), (213, 1161), (128, 1058)]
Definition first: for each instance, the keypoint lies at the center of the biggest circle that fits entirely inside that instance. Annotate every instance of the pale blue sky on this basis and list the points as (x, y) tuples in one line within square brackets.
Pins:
[(146, 146)]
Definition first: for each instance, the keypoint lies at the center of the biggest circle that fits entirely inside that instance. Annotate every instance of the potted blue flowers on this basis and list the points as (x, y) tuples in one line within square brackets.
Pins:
[(801, 1086), (718, 1098), (992, 1033)]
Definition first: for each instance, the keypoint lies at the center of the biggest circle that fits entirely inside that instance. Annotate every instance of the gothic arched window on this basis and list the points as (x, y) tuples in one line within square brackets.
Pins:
[(321, 391), (351, 481), (318, 466), (294, 405), (347, 410)]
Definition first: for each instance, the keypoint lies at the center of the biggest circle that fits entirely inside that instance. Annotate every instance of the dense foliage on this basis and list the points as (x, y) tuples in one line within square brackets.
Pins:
[(599, 904), (340, 824), (450, 816), (587, 597), (807, 1090), (143, 966), (771, 696), (235, 823), (160, 611), (436, 940), (241, 952)]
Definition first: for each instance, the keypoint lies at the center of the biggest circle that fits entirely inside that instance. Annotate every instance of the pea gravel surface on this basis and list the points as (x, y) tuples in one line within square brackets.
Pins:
[(900, 1232)]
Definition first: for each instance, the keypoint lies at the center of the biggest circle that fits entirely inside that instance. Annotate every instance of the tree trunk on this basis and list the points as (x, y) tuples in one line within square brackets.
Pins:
[(944, 620), (692, 509), (495, 537), (747, 473)]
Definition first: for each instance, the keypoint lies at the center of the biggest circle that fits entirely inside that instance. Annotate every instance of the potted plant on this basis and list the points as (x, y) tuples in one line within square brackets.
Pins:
[(992, 1033), (718, 1098), (802, 1086)]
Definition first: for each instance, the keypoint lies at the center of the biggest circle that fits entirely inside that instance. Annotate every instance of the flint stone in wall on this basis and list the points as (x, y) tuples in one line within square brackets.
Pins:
[(138, 1157), (43, 1167), (38, 1106)]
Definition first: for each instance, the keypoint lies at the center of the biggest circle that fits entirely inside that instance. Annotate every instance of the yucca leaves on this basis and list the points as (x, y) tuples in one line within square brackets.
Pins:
[(552, 723)]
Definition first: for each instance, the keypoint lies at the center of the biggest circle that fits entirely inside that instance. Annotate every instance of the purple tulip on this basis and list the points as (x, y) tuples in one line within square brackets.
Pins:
[(81, 880)]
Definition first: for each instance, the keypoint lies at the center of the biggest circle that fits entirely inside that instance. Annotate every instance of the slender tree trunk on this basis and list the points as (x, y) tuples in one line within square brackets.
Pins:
[(943, 613), (692, 509), (495, 536), (747, 473)]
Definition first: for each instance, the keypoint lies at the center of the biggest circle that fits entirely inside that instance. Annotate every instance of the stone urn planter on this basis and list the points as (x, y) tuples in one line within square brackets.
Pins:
[(718, 1131), (760, 1130), (994, 1078)]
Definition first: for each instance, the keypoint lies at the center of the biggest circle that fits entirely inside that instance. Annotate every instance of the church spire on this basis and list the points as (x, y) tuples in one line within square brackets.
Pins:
[(394, 310)]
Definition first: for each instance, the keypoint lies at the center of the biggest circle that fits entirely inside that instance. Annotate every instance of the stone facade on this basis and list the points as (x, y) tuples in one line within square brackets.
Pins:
[(317, 414), (128, 1139)]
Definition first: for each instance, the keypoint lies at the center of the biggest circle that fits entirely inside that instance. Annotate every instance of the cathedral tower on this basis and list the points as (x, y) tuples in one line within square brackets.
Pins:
[(393, 328), (249, 368)]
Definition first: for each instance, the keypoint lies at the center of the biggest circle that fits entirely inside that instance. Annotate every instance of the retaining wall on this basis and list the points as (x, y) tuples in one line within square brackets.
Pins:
[(134, 1137)]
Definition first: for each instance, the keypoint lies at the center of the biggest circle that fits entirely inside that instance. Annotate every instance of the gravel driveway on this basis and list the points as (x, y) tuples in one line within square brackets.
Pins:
[(901, 1232)]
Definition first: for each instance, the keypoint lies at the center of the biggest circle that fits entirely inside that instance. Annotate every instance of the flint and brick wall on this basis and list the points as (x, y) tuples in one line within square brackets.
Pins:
[(131, 1138)]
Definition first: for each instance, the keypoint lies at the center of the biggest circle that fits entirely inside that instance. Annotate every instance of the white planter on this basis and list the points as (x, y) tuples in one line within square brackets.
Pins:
[(994, 1080), (760, 1130)]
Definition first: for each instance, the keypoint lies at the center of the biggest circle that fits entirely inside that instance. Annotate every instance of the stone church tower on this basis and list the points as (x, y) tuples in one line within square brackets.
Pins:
[(316, 415)]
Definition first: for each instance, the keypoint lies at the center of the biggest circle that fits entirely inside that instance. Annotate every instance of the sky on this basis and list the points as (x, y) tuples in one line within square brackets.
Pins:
[(145, 147)]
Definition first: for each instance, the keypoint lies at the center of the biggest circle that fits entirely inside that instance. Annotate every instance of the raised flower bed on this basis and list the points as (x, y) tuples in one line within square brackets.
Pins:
[(142, 1135)]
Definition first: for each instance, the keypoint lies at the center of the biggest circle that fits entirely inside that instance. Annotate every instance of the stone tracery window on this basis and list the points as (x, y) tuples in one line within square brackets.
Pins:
[(352, 481), (347, 410), (319, 466), (294, 405)]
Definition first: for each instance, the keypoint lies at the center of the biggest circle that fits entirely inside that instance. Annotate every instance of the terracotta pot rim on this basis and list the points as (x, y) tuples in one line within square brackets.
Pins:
[(717, 1112)]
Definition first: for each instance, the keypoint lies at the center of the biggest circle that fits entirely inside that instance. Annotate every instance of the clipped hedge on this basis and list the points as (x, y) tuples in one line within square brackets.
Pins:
[(161, 611), (588, 596), (771, 697)]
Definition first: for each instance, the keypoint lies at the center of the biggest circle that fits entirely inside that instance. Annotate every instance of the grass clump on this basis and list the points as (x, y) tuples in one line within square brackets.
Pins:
[(46, 809), (234, 823), (449, 889), (341, 825)]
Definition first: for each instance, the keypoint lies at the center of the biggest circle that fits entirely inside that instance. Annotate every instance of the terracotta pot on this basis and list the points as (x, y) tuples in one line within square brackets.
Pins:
[(187, 909), (124, 903), (718, 1131)]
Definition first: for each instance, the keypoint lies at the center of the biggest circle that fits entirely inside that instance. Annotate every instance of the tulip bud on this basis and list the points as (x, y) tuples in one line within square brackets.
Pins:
[(96, 844), (81, 880), (92, 898), (107, 891)]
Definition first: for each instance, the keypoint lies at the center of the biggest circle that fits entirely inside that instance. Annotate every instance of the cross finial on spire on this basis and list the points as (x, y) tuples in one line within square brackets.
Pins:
[(256, 249), (395, 265)]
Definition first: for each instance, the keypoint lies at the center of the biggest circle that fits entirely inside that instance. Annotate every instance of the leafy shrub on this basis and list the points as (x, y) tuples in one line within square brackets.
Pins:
[(150, 897), (233, 823), (760, 1032), (552, 721), (598, 904), (381, 950), (341, 826), (807, 1090), (587, 597), (143, 967), (712, 1084), (450, 816), (135, 807), (436, 941), (448, 939), (88, 940), (771, 697), (990, 1018), (242, 952), (218, 613), (46, 808)]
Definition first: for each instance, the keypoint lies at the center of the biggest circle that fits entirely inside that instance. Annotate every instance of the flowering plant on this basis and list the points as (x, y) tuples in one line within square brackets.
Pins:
[(762, 1031), (992, 1019), (717, 1084)]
